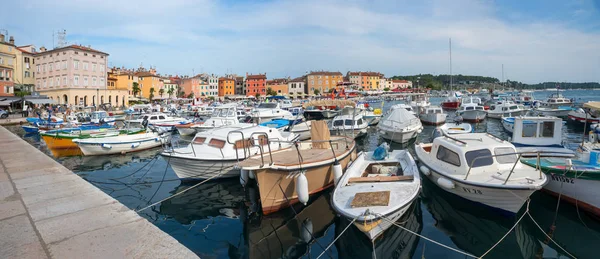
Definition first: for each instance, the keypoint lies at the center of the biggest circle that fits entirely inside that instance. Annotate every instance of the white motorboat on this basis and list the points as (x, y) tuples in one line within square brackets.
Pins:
[(419, 102), (590, 113), (324, 109), (555, 100), (101, 117), (399, 125), (562, 111), (471, 110), (372, 116), (432, 115), (120, 144), (349, 123), (403, 106), (215, 153), (481, 168), (270, 111), (160, 120), (302, 129), (506, 109), (224, 115), (372, 189), (531, 135)]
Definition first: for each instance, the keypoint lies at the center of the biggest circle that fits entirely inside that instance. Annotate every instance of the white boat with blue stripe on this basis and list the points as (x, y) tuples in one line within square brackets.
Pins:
[(121, 144)]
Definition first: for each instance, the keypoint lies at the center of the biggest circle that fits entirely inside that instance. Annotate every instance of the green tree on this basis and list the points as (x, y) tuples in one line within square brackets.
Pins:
[(316, 92), (191, 95), (151, 93), (271, 92), (170, 91), (161, 92), (212, 98), (135, 89), (330, 90), (386, 89), (257, 95)]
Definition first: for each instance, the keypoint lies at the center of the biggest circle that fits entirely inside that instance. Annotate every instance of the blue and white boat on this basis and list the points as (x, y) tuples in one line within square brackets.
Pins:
[(535, 135)]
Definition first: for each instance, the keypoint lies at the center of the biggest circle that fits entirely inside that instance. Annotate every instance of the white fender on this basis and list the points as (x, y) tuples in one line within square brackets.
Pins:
[(302, 188), (107, 146), (337, 173), (134, 145), (445, 183), (251, 174), (425, 170), (306, 230), (243, 177), (593, 138)]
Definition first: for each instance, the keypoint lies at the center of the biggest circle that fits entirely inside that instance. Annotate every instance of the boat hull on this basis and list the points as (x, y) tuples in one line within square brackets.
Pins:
[(509, 200), (356, 132), (188, 168), (451, 105), (473, 116), (95, 149), (53, 142), (398, 137), (271, 182), (433, 119), (186, 131)]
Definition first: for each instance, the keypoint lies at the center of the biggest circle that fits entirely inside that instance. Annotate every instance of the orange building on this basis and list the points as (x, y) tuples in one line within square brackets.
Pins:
[(256, 84), (226, 86), (366, 80), (279, 85)]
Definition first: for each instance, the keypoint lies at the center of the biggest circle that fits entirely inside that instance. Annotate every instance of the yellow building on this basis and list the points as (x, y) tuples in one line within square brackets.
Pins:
[(148, 81), (24, 72), (323, 81), (226, 86), (279, 85), (7, 66), (369, 81)]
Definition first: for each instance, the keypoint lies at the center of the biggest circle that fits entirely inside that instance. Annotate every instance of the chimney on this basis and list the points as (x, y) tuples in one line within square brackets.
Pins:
[(43, 49), (11, 40), (1, 37)]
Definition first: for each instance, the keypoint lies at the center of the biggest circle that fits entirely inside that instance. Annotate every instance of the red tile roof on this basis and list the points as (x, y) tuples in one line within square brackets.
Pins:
[(73, 47), (226, 79), (325, 73), (256, 77)]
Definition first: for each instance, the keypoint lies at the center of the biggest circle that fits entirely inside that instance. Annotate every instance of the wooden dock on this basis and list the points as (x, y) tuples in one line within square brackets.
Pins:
[(47, 211)]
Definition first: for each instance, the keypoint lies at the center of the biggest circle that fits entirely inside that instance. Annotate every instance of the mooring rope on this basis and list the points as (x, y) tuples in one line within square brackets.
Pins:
[(507, 232), (333, 242), (549, 238)]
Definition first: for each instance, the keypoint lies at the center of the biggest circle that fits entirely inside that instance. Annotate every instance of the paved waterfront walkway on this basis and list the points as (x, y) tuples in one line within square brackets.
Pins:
[(47, 211)]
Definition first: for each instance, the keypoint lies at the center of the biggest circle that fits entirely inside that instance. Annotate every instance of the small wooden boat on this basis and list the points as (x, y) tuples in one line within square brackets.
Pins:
[(464, 165), (377, 192), (289, 176), (456, 128), (120, 144), (432, 115)]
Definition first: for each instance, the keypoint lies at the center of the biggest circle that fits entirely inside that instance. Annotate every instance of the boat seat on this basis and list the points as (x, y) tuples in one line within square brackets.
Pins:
[(376, 179)]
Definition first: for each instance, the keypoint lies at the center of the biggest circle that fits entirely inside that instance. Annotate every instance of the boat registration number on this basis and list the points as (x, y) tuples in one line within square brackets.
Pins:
[(560, 178), (471, 190)]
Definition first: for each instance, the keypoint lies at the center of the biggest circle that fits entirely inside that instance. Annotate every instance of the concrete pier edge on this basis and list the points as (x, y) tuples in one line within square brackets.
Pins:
[(47, 211)]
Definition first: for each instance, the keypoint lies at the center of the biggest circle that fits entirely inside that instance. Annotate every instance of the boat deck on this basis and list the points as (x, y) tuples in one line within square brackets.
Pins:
[(289, 157)]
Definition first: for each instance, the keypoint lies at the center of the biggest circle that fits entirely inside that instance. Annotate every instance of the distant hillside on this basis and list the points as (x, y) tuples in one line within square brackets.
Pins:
[(546, 85), (437, 81)]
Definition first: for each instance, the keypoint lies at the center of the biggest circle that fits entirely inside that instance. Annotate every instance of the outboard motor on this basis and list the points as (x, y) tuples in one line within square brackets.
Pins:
[(145, 122), (437, 133)]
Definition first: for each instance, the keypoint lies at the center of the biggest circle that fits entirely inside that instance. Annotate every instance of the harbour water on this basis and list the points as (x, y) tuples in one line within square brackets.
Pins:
[(218, 219)]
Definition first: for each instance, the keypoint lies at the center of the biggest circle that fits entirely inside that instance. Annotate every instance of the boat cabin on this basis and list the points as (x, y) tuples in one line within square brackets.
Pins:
[(481, 151), (346, 122), (537, 131), (433, 110), (558, 99)]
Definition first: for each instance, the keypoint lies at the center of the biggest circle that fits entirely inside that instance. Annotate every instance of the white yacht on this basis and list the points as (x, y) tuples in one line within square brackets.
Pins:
[(506, 109), (481, 168), (556, 100), (471, 110), (224, 115), (270, 111), (215, 153), (432, 115), (160, 120), (399, 125)]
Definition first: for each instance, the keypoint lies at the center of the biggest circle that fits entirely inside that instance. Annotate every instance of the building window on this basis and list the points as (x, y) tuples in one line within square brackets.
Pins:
[(51, 82), (57, 81), (75, 64), (85, 65), (76, 80), (93, 67), (64, 64), (93, 81), (85, 81), (65, 81)]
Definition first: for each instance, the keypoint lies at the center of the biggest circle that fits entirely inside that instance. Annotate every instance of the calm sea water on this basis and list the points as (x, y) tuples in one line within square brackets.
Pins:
[(218, 218)]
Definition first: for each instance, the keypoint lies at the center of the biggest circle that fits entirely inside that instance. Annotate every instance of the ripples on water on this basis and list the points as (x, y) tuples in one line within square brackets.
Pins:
[(217, 219)]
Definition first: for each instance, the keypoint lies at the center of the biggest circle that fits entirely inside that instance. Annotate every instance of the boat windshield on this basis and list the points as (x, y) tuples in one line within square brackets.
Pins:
[(349, 122), (485, 158), (338, 123), (267, 105), (505, 155)]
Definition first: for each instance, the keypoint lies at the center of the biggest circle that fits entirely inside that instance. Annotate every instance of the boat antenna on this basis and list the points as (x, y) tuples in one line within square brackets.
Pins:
[(450, 44), (584, 127)]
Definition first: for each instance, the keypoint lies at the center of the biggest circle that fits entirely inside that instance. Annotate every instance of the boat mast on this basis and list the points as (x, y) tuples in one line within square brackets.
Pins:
[(450, 44)]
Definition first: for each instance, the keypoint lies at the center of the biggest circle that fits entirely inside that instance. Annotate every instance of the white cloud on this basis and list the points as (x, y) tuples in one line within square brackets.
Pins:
[(288, 38)]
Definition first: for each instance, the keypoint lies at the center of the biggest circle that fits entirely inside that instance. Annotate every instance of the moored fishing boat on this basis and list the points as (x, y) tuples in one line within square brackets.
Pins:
[(349, 123), (590, 113), (432, 115), (399, 125), (506, 109), (471, 110), (464, 165), (288, 176), (120, 144), (533, 135), (63, 138), (215, 153), (377, 192), (324, 109)]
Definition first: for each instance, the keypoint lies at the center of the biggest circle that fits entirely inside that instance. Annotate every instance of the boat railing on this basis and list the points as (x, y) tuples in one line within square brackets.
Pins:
[(520, 154), (260, 144), (244, 147)]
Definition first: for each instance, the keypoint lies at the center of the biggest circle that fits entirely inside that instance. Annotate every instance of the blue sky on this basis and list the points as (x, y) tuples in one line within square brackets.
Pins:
[(535, 40)]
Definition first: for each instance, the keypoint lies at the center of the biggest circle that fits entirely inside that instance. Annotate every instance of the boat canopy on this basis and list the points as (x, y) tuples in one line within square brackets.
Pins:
[(592, 105), (339, 103)]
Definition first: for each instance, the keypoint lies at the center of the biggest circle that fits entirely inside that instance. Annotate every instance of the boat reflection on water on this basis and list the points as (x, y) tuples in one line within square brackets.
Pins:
[(210, 199), (284, 234), (475, 230), (74, 160), (393, 243), (577, 232)]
